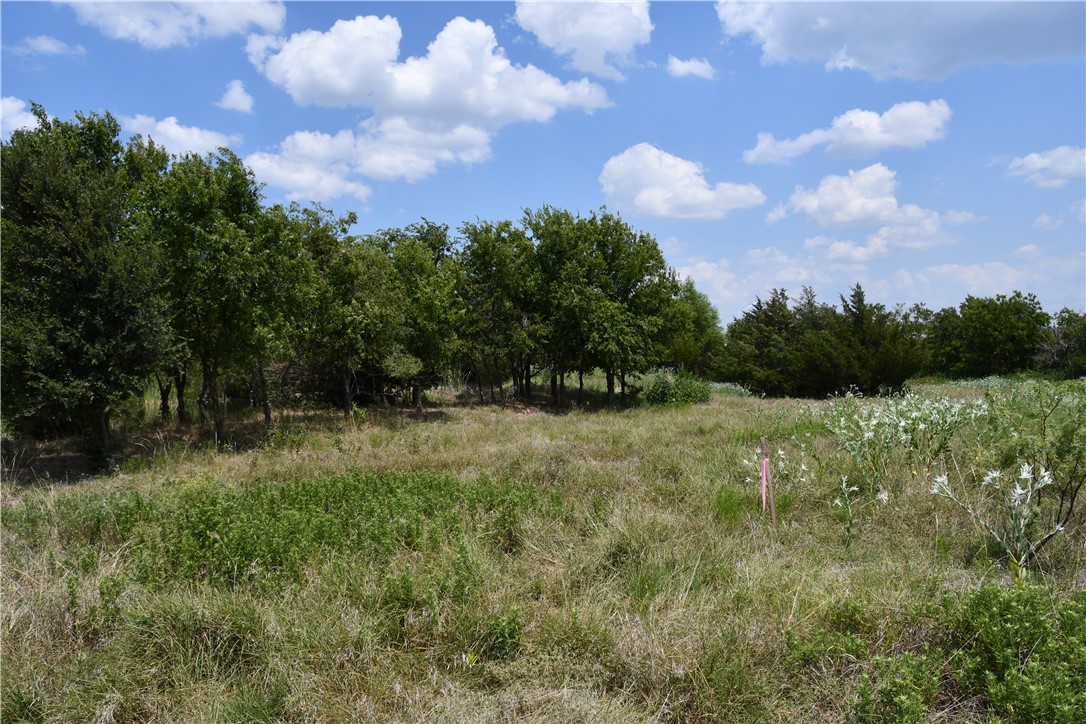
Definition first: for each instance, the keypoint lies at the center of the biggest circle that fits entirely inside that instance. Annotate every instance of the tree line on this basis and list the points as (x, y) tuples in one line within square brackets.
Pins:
[(123, 264), (806, 348)]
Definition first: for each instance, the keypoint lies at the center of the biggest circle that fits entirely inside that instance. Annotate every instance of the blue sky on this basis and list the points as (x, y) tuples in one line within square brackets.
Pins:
[(926, 150)]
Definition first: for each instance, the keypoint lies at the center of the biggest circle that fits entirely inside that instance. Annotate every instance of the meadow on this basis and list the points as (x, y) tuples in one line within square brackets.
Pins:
[(512, 563)]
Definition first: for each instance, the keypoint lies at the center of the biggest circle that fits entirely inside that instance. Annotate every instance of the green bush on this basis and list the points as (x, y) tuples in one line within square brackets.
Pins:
[(1021, 652), (677, 389)]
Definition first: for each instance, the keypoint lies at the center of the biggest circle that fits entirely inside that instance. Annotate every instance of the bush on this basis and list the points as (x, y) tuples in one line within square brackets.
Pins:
[(677, 389), (1022, 653)]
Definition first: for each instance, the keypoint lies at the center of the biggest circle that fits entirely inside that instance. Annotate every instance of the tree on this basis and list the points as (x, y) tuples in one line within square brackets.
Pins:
[(998, 335), (353, 312), (425, 272), (1062, 344), (633, 286), (216, 271), (495, 266), (759, 354), (82, 325), (693, 338)]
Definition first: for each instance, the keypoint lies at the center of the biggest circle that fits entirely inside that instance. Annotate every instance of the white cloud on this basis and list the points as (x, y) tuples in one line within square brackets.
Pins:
[(166, 24), (175, 137), (1044, 222), (861, 133), (591, 33), (47, 45), (649, 182), (697, 67), (14, 115), (235, 98), (306, 179), (864, 196), (908, 40), (440, 108), (1051, 169), (868, 197), (714, 276)]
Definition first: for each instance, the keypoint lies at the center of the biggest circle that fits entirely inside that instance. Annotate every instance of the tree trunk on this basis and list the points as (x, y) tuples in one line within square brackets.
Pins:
[(479, 384), (528, 381), (622, 382), (562, 388), (180, 380), (102, 441), (265, 400), (203, 401), (165, 386), (348, 407), (554, 388), (416, 396), (580, 388), (611, 388)]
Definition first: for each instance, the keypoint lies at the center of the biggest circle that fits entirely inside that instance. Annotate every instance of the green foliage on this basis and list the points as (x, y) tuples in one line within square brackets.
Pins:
[(987, 335), (811, 349), (1021, 651), (268, 533), (501, 637), (82, 320), (901, 689), (666, 388), (1044, 425)]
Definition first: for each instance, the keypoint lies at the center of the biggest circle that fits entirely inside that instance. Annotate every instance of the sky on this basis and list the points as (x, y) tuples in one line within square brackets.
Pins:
[(927, 151)]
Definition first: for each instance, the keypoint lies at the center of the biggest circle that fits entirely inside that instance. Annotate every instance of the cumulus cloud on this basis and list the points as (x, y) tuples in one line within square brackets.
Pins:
[(1051, 169), (908, 40), (14, 114), (440, 108), (590, 33), (160, 25), (868, 197), (1044, 222), (861, 133), (305, 178), (235, 98), (697, 67), (175, 137), (864, 196), (647, 181), (47, 45)]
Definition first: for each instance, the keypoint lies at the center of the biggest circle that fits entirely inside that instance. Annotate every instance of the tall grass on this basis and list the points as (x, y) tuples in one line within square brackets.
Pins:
[(506, 564)]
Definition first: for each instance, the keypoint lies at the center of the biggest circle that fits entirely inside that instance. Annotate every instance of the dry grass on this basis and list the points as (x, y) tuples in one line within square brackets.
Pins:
[(641, 583)]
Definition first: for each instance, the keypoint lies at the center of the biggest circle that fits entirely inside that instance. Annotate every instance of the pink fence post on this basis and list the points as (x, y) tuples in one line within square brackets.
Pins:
[(767, 483)]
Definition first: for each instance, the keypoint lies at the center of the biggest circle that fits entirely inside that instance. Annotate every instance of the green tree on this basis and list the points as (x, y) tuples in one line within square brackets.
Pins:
[(886, 351), (82, 326), (693, 338), (353, 312), (216, 271), (1062, 344), (633, 286), (561, 294), (425, 273), (998, 335), (495, 266), (758, 353)]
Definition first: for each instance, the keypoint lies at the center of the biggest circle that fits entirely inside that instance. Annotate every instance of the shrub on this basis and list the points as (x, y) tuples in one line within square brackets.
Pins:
[(1021, 652), (677, 389)]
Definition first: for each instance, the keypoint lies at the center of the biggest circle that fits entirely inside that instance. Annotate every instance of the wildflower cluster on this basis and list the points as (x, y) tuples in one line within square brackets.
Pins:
[(852, 506), (788, 468), (871, 430), (1016, 507)]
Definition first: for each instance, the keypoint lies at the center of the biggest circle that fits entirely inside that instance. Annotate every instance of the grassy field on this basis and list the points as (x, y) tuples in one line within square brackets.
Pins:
[(510, 564)]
